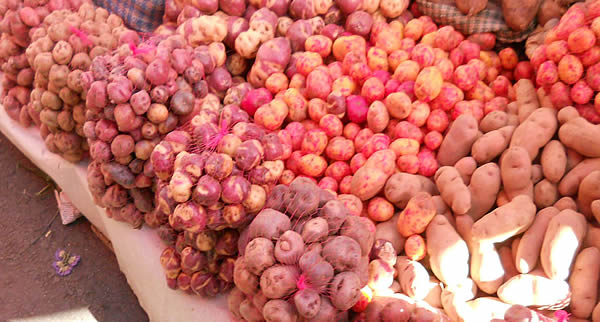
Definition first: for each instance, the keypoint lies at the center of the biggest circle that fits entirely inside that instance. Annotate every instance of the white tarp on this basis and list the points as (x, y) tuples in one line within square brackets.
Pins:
[(137, 251)]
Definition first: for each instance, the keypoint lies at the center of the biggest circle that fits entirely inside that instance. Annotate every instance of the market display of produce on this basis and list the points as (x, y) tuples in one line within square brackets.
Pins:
[(334, 160)]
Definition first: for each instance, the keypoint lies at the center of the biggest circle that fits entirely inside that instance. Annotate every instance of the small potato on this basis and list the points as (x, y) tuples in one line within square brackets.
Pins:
[(417, 214), (279, 281), (307, 303), (380, 210), (345, 290), (367, 182), (312, 165), (259, 255), (343, 253)]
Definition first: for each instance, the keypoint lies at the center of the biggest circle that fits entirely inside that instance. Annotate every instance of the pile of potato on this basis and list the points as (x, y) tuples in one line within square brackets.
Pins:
[(62, 50), (514, 221), (303, 257), (20, 24), (135, 99), (567, 62)]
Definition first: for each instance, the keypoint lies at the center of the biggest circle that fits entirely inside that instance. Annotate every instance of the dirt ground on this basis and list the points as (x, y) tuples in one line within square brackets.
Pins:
[(30, 234)]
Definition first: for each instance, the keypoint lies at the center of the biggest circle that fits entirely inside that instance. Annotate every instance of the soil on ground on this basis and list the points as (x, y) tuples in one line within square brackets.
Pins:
[(30, 234)]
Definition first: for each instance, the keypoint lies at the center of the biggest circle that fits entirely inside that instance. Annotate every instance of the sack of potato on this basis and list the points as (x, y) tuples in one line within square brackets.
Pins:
[(304, 257), (509, 20)]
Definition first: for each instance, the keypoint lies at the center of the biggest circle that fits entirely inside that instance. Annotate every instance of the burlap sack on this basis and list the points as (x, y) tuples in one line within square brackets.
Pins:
[(141, 15), (489, 19)]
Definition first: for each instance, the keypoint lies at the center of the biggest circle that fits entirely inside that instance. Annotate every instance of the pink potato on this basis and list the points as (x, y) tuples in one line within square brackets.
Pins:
[(338, 170), (312, 165), (465, 77), (448, 97), (318, 84), (556, 50), (368, 182), (437, 121), (373, 89), (408, 163), (254, 99), (474, 108), (423, 55), (331, 125), (592, 76), (398, 104), (377, 117), (328, 183), (581, 39), (581, 93), (351, 130), (547, 74), (480, 67), (314, 141), (357, 161), (590, 57), (508, 58), (377, 59), (408, 130), (433, 140), (345, 185), (317, 108), (480, 92), (495, 104), (500, 86), (523, 70), (407, 71), (362, 137), (297, 132), (380, 210), (560, 95), (570, 21), (318, 44), (357, 108), (428, 84), (340, 149), (419, 114), (570, 69), (375, 143)]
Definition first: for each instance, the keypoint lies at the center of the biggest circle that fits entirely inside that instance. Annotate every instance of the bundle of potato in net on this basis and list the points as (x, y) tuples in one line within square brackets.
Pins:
[(136, 96), (304, 257), (62, 50), (214, 176), (21, 22)]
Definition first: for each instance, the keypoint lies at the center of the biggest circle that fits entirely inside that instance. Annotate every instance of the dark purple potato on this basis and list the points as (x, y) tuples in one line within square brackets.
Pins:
[(182, 103), (359, 23)]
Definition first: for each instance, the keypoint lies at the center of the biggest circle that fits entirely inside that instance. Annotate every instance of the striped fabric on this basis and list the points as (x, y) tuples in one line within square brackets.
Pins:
[(140, 15), (487, 20)]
